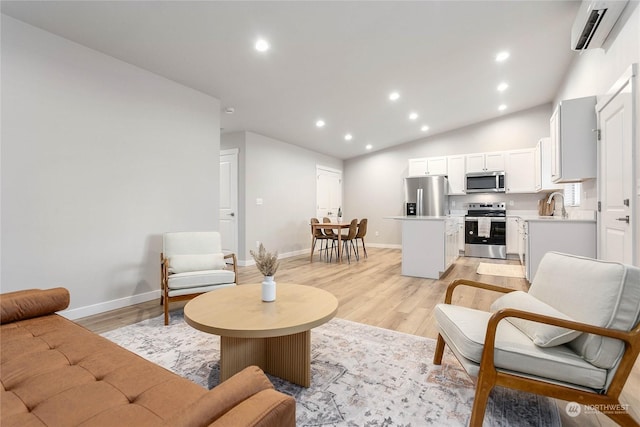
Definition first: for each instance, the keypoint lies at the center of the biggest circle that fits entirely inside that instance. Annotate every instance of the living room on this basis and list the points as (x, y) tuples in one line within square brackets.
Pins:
[(100, 157)]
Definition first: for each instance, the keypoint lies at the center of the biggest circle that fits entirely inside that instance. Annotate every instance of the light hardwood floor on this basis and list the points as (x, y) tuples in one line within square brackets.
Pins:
[(372, 291)]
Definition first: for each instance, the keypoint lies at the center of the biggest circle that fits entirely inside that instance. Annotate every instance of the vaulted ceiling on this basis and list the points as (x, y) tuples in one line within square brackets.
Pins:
[(334, 61)]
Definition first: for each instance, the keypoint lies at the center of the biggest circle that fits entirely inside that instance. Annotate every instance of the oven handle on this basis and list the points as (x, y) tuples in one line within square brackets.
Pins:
[(492, 218)]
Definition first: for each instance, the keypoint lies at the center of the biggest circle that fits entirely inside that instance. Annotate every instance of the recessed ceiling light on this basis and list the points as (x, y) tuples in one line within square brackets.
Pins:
[(369, 146), (502, 87), (502, 56), (394, 96), (262, 45), (229, 110), (320, 123), (502, 107), (413, 116), (424, 128), (348, 137)]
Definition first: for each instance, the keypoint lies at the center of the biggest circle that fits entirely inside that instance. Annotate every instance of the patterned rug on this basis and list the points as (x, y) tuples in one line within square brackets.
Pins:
[(361, 376)]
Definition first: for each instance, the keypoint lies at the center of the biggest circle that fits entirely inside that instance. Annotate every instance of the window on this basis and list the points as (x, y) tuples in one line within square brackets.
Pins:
[(572, 194)]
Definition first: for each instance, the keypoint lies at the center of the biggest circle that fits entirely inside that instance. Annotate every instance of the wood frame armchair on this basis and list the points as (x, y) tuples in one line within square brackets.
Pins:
[(489, 375), (197, 275)]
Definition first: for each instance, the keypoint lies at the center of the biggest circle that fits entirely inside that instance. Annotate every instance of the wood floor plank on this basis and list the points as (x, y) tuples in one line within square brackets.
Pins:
[(372, 291)]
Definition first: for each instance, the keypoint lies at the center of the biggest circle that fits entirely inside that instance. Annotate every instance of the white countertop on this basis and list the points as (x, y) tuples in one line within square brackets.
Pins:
[(574, 216), (554, 219), (418, 218)]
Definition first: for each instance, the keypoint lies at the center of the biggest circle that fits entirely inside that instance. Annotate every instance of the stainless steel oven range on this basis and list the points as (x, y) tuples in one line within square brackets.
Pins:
[(485, 227)]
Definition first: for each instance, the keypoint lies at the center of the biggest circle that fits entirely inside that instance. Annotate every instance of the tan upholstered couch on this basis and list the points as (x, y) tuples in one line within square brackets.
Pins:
[(57, 373)]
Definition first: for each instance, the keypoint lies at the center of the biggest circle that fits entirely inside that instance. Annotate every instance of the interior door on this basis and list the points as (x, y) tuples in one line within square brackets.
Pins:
[(328, 192), (615, 172), (229, 200)]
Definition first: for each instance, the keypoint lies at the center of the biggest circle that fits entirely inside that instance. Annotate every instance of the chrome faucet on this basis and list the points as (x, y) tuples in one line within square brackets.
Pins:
[(557, 193)]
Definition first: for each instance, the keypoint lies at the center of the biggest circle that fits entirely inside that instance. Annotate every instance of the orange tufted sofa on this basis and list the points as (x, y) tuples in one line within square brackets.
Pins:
[(57, 373)]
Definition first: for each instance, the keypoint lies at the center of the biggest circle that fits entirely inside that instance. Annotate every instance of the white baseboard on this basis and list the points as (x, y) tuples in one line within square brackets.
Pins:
[(384, 245), (90, 310)]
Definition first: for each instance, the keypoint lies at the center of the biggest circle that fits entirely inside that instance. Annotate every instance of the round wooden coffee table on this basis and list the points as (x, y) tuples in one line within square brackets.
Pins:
[(276, 336)]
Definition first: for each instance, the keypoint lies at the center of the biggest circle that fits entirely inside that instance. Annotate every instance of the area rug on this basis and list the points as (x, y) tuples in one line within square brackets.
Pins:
[(508, 270), (361, 376)]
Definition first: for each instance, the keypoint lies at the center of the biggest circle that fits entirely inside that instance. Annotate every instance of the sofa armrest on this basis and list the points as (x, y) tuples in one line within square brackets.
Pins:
[(268, 408), (221, 399), (31, 303)]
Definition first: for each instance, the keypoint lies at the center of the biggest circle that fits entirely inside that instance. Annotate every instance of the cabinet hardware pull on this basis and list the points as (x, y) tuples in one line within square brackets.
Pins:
[(625, 219)]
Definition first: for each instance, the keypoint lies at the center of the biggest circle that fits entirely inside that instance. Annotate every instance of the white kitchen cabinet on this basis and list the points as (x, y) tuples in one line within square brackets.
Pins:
[(423, 247), (417, 167), (573, 140), (513, 236), (571, 237), (522, 243), (460, 234), (520, 171), (451, 242), (428, 166), (456, 174), (543, 167), (485, 162)]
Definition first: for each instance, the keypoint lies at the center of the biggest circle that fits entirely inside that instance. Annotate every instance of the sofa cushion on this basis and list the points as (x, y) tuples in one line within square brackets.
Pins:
[(196, 262), (464, 330), (541, 334), (194, 279), (595, 292), (32, 303)]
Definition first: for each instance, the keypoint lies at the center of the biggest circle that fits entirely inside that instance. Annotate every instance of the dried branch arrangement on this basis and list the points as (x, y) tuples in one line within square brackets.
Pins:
[(266, 262)]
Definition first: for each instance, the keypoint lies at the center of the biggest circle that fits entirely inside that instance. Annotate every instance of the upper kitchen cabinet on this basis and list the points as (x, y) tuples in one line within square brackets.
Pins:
[(485, 162), (520, 171), (543, 167), (573, 140), (455, 173), (428, 166)]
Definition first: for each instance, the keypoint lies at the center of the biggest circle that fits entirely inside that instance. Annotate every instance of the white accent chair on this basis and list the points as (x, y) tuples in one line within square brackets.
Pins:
[(574, 336), (193, 263)]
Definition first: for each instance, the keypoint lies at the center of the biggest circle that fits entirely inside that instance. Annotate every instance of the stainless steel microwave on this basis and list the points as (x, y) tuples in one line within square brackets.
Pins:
[(485, 182)]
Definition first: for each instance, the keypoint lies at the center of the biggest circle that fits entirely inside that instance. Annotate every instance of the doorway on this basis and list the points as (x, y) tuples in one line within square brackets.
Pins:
[(616, 225), (328, 192), (229, 200)]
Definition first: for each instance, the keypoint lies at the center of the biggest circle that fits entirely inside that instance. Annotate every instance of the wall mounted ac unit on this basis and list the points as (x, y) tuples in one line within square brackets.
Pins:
[(594, 21)]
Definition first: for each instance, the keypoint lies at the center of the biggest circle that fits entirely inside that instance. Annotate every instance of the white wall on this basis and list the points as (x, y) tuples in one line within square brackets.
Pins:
[(374, 183), (99, 158), (284, 177), (595, 71)]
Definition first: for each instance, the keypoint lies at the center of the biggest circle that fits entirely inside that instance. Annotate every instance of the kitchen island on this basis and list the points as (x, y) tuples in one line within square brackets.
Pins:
[(429, 245)]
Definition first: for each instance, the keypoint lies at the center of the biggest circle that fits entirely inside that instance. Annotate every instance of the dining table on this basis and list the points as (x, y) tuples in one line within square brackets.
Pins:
[(332, 226)]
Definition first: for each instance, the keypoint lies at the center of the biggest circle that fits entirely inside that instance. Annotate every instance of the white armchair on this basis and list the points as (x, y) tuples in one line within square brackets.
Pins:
[(193, 263), (574, 336)]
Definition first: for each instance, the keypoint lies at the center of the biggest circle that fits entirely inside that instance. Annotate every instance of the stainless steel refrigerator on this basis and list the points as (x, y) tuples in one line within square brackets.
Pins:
[(426, 195)]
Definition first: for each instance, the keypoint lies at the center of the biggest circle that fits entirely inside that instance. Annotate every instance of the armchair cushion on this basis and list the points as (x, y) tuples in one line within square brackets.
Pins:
[(464, 331), (591, 291), (194, 279), (182, 263), (541, 334)]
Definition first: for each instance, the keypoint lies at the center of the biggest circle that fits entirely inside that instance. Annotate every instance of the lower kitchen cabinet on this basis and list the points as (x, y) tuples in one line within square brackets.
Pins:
[(512, 235), (572, 237)]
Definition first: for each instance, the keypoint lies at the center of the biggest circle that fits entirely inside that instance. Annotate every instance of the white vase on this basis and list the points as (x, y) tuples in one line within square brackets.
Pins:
[(268, 289)]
